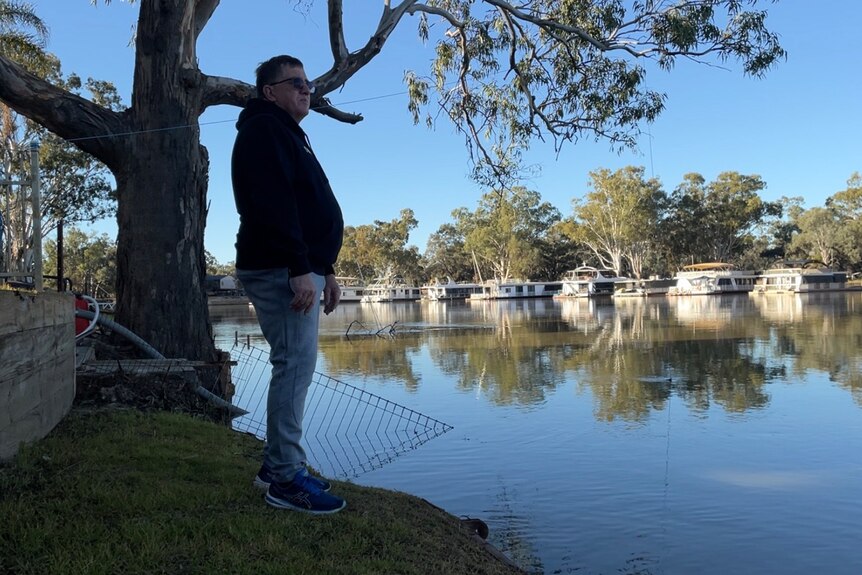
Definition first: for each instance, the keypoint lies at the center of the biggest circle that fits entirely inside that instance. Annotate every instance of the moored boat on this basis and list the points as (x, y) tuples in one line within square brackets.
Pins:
[(713, 278), (451, 290), (644, 288), (388, 289), (588, 281), (801, 276), (352, 288), (515, 289)]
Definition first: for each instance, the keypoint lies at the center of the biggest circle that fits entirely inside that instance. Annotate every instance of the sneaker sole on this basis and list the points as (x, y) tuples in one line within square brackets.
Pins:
[(282, 504), (259, 483)]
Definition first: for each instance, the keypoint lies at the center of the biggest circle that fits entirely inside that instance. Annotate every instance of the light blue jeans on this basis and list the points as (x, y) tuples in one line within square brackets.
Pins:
[(292, 338)]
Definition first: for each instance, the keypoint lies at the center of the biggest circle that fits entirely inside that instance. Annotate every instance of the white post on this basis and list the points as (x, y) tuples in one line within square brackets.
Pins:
[(37, 215)]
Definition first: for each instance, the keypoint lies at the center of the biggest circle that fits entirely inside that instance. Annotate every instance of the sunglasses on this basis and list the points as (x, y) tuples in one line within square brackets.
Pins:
[(297, 84)]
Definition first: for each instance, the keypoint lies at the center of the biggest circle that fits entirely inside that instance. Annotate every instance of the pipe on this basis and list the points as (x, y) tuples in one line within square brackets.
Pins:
[(154, 354)]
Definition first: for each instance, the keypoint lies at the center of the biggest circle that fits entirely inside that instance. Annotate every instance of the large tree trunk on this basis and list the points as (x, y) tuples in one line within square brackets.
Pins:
[(162, 192), (160, 259)]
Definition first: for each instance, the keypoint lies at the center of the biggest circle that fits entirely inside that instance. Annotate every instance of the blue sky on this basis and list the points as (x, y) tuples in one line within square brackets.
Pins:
[(799, 128)]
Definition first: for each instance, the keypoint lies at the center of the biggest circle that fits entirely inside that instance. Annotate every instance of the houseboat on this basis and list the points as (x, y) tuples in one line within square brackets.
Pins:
[(713, 278), (515, 289), (451, 290), (587, 281), (223, 290), (389, 289), (644, 288), (352, 288), (800, 277)]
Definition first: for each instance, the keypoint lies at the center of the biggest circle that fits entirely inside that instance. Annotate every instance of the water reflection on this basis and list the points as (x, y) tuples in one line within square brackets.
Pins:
[(627, 436), (722, 349)]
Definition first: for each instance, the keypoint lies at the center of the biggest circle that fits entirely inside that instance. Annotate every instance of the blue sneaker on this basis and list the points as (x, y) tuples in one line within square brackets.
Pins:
[(264, 478), (302, 494)]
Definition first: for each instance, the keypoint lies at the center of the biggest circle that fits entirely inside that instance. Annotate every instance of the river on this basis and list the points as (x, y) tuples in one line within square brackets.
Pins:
[(705, 434)]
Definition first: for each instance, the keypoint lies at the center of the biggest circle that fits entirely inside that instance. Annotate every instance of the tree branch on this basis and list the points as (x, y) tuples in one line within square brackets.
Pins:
[(343, 68), (203, 12), (322, 106), (219, 90), (437, 11), (89, 126), (552, 25), (336, 32)]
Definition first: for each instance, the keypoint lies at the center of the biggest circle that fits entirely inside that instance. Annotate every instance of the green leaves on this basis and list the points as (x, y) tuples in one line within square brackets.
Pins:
[(380, 249), (567, 69)]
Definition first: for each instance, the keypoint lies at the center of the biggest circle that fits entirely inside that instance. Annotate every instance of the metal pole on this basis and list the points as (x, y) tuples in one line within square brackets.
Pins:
[(60, 270), (37, 215)]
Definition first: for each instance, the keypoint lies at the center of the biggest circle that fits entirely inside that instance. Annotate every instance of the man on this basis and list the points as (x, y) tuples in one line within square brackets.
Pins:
[(290, 233)]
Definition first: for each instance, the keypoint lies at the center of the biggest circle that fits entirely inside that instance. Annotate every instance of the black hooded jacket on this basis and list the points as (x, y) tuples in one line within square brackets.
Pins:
[(289, 216)]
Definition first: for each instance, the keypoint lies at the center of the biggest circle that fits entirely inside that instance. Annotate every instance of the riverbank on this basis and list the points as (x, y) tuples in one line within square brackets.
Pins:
[(125, 491)]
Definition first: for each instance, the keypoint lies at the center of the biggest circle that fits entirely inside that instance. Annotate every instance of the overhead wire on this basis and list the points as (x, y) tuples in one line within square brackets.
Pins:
[(214, 122)]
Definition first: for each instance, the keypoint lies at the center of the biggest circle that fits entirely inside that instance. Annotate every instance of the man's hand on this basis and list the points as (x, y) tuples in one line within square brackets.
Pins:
[(331, 294), (303, 293)]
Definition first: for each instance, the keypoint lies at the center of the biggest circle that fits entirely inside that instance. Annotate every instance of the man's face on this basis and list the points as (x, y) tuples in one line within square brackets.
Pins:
[(295, 101)]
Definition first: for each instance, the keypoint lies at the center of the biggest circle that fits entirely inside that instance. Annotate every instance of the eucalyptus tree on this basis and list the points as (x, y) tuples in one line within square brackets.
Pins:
[(848, 206), (89, 261), (446, 255), (355, 258), (504, 233), (394, 254), (504, 74), (381, 249), (735, 212), (618, 219), (781, 231), (558, 252), (717, 221), (216, 268), (819, 235), (833, 234), (683, 228), (75, 186)]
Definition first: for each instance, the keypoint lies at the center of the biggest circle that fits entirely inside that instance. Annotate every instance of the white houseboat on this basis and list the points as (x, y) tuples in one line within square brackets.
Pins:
[(389, 289), (352, 288), (515, 289), (587, 281), (451, 290), (713, 278), (644, 288), (800, 277)]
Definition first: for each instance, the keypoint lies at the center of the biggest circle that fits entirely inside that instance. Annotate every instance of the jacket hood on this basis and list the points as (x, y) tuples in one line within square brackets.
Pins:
[(258, 107)]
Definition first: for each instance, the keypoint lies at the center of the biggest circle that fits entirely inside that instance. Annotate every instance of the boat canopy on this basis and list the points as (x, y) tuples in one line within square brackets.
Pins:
[(708, 266)]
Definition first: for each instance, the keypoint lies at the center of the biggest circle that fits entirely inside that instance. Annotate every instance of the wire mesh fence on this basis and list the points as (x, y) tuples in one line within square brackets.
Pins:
[(347, 430)]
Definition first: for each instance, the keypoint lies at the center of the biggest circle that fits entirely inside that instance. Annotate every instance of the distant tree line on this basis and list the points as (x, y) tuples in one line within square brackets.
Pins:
[(624, 221)]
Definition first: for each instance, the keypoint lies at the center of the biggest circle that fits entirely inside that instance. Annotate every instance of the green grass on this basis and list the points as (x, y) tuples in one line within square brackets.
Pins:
[(129, 492)]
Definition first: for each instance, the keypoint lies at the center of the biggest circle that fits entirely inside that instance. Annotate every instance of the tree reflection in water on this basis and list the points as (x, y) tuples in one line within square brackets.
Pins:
[(719, 349), (564, 411)]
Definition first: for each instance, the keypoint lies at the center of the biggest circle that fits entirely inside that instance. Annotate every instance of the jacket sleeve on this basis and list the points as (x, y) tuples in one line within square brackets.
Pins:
[(265, 165)]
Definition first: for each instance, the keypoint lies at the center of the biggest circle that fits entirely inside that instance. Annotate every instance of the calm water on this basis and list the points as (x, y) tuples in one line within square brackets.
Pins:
[(668, 435)]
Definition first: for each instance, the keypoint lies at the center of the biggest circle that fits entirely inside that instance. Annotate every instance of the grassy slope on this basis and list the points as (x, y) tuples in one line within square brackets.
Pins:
[(131, 492)]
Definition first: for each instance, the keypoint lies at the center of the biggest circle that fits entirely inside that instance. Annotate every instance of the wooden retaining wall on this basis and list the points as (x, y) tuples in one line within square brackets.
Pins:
[(37, 365)]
